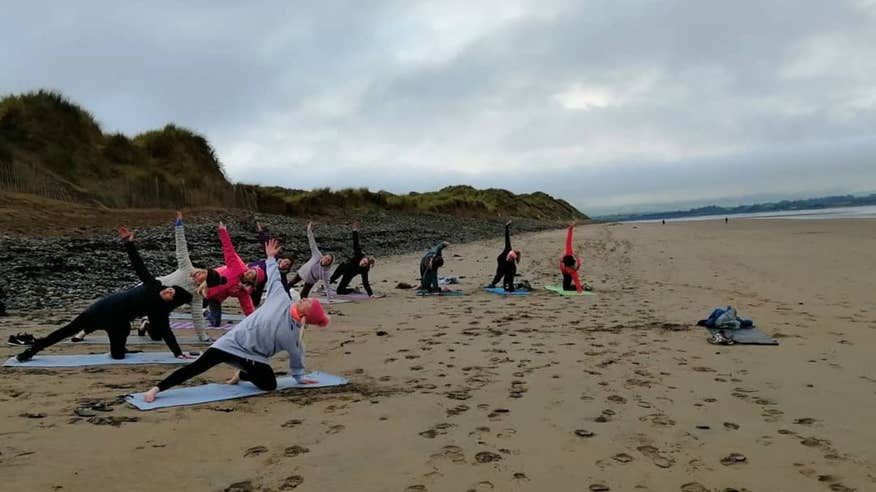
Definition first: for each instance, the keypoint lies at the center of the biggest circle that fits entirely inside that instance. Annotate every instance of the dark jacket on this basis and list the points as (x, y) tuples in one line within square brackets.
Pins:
[(348, 270)]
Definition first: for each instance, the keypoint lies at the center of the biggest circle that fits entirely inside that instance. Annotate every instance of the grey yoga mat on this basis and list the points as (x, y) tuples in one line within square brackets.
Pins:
[(83, 360), (745, 336), (101, 339), (207, 393)]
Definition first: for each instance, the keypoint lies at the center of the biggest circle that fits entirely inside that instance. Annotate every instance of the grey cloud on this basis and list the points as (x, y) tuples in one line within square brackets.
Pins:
[(304, 95)]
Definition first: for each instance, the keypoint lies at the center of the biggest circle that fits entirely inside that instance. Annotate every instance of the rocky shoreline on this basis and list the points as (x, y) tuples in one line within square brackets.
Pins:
[(51, 278)]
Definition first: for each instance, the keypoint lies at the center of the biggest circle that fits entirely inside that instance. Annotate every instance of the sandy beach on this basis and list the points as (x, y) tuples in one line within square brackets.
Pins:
[(483, 392)]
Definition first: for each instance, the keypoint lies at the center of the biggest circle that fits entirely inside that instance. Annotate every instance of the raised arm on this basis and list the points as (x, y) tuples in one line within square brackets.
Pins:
[(232, 260), (183, 262), (314, 249), (136, 260), (508, 237), (357, 249), (569, 250), (274, 284)]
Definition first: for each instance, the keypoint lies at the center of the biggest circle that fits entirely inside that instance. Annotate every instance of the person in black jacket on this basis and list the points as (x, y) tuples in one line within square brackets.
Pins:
[(115, 312), (507, 263), (359, 264)]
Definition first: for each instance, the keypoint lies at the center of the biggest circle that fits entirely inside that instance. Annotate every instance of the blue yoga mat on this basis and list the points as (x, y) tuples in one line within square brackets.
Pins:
[(207, 393), (82, 360), (501, 291)]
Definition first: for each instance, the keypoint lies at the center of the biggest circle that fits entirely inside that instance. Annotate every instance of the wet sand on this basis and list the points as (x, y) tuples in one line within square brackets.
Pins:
[(540, 392)]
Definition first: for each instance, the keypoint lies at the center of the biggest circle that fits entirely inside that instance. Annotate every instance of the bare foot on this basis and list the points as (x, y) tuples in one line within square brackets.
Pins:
[(150, 395), (234, 379)]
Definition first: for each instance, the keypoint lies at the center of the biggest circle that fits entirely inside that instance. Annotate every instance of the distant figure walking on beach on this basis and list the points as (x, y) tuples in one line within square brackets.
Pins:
[(507, 263), (726, 220), (115, 312), (570, 264), (358, 264), (429, 265), (276, 326), (316, 269)]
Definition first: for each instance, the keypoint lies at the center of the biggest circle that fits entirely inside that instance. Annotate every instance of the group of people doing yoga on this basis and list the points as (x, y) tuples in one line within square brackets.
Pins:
[(506, 265), (276, 315)]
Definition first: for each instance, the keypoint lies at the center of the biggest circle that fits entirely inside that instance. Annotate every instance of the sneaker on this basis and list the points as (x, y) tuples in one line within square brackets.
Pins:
[(21, 339), (144, 326), (26, 355)]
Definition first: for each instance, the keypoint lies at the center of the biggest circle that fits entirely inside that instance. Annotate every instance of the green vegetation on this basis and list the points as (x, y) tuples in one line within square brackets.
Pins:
[(52, 147)]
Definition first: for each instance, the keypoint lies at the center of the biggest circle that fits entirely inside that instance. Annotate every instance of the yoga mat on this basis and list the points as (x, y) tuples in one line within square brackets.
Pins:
[(745, 336), (559, 290), (359, 296), (502, 292), (101, 339), (189, 325), (225, 316), (333, 300), (423, 293), (207, 393), (82, 360)]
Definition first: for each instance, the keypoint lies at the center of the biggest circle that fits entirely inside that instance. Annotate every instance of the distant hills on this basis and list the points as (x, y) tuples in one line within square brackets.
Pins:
[(51, 147), (782, 206)]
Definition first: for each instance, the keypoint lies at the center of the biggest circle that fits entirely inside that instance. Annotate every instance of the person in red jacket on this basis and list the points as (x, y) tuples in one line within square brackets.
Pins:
[(239, 280), (570, 264)]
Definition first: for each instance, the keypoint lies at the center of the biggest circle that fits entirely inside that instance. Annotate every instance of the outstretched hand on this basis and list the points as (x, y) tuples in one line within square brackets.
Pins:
[(125, 234), (507, 223), (179, 215), (258, 226), (355, 226), (446, 243), (272, 248), (222, 226), (309, 225)]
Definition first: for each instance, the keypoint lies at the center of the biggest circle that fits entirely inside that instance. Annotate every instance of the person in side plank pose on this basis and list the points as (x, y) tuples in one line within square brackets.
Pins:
[(115, 312), (276, 326)]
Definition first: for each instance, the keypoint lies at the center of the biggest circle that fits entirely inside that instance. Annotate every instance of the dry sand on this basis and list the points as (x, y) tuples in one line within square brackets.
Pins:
[(459, 381)]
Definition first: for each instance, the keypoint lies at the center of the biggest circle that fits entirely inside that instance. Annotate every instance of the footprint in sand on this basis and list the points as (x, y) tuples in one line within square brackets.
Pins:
[(734, 459), (255, 451), (655, 456), (292, 451), (291, 482), (622, 458), (694, 487)]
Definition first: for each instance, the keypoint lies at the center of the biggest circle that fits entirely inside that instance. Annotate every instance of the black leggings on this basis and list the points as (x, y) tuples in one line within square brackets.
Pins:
[(117, 330), (258, 373), (305, 291)]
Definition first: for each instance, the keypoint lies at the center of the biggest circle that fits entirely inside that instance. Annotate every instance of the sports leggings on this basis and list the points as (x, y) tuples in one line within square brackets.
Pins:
[(258, 373)]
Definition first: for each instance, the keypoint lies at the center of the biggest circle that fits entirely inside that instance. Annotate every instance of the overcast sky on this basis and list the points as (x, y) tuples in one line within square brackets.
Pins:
[(612, 105)]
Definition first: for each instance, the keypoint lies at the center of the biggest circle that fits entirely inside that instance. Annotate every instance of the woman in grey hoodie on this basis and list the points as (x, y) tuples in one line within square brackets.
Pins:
[(276, 326), (316, 269)]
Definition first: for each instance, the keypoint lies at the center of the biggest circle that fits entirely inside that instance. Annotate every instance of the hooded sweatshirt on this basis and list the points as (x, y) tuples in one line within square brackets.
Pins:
[(182, 276), (270, 329), (234, 268), (312, 271)]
